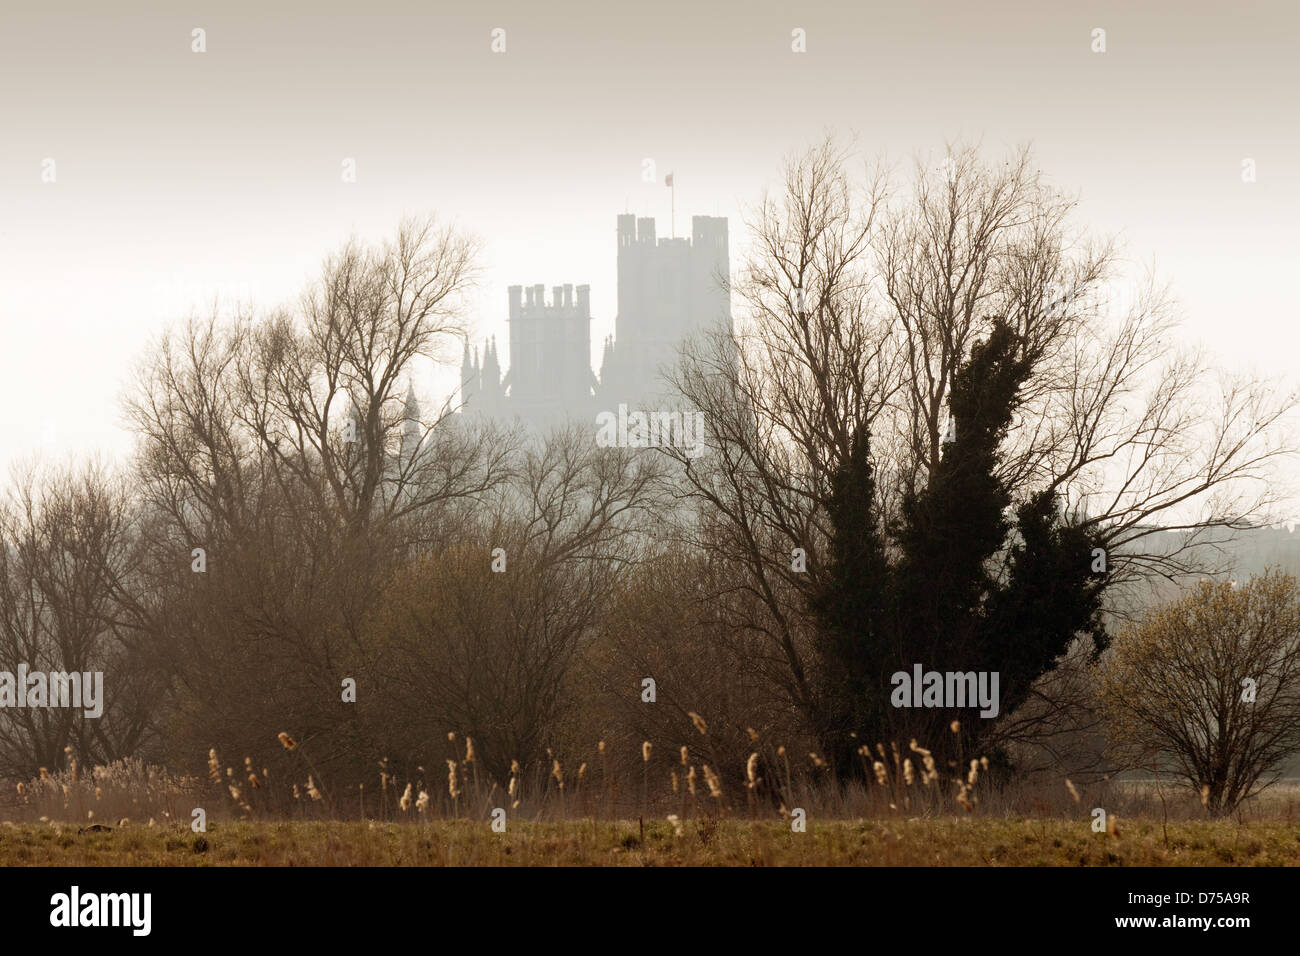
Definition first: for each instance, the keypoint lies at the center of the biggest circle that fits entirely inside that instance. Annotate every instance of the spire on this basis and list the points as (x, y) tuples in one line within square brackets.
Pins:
[(469, 376), (607, 360), (411, 427)]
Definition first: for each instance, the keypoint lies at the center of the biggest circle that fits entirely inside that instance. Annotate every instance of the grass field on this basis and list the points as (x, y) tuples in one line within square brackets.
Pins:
[(916, 842)]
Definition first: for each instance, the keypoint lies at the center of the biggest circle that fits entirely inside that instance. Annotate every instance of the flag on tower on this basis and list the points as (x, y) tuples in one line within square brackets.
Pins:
[(668, 180)]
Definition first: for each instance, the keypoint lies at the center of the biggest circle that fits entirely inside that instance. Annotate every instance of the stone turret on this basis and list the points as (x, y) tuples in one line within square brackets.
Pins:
[(668, 289)]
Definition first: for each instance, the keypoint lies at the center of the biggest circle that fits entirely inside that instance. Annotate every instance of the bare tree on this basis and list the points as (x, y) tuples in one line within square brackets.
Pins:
[(321, 401), (293, 450), (859, 306), (69, 565), (1210, 685), (811, 366), (480, 635)]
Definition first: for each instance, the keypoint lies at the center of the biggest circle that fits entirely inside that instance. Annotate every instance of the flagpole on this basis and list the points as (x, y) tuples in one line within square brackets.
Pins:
[(671, 182)]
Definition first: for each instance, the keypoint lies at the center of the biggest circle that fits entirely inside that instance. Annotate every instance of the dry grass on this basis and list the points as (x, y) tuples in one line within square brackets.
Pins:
[(897, 783), (127, 789), (904, 813), (955, 841)]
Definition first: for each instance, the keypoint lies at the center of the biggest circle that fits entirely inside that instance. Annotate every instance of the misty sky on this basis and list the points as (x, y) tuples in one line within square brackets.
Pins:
[(181, 176)]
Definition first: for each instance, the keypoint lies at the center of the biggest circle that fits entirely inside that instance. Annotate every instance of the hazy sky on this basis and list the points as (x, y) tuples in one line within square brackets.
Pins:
[(180, 176)]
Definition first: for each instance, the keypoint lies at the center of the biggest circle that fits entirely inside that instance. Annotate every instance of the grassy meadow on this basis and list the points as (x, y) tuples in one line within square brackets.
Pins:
[(131, 814), (956, 841)]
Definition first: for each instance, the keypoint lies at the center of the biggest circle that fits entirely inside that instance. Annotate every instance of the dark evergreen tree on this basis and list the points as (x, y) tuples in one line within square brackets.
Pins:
[(967, 588), (1051, 595), (853, 610)]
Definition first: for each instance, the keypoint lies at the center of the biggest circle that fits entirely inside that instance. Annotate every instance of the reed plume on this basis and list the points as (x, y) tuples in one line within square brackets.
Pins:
[(715, 786)]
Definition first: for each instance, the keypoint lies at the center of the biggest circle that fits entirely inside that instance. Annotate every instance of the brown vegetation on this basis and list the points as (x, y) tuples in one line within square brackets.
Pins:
[(298, 523)]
